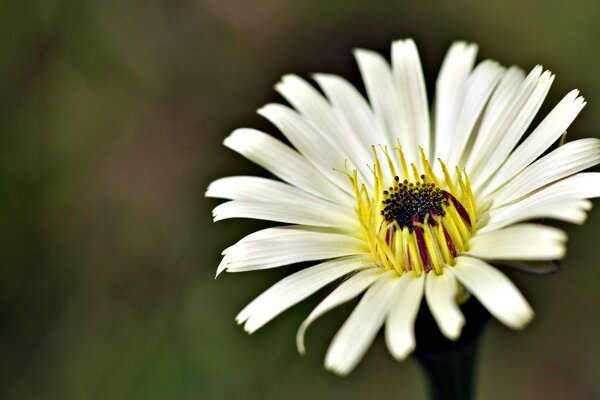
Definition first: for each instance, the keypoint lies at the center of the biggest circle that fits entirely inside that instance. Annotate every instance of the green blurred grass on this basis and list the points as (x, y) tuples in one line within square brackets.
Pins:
[(111, 121)]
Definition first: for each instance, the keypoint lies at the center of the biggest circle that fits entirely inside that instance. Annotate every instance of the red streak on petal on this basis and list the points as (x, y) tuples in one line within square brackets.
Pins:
[(421, 243), (450, 244), (389, 237), (459, 207)]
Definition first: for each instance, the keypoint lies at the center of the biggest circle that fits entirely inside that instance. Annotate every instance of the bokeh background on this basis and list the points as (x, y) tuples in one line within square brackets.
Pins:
[(112, 115)]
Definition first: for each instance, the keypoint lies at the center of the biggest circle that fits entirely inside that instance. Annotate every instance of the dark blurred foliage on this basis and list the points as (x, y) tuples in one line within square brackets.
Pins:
[(112, 115)]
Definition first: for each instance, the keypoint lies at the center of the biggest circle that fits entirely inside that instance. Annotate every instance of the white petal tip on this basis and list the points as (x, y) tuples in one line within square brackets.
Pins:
[(404, 42), (242, 316), (263, 110), (250, 325), (403, 353), (335, 362), (320, 77), (361, 53), (220, 270), (301, 348), (454, 333), (463, 46), (522, 320), (300, 340), (337, 370), (233, 135), (268, 111), (290, 78)]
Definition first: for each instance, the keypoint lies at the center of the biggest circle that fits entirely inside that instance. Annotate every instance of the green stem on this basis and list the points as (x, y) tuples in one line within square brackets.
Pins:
[(450, 366), (451, 375)]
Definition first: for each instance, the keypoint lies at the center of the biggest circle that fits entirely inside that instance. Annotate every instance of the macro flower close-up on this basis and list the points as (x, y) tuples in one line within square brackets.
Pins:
[(404, 204)]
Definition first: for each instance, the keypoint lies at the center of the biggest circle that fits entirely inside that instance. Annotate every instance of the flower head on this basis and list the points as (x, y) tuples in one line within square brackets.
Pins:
[(402, 210)]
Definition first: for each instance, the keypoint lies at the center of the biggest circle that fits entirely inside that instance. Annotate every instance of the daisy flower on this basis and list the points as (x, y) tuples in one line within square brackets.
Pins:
[(401, 205)]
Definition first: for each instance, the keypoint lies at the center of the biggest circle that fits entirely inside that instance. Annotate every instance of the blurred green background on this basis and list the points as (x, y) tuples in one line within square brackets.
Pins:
[(112, 115)]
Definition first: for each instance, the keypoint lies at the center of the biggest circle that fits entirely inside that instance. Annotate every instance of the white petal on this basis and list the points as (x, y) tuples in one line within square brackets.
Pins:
[(295, 288), (383, 97), (564, 161), (306, 99), (546, 133), (567, 192), (348, 290), (478, 89), (354, 109), (410, 86), (284, 163), (320, 150), (261, 189), (449, 93), (511, 127), (289, 245), (441, 292), (399, 327), (494, 290), (584, 185), (519, 242), (356, 335), (574, 211), (506, 91), (317, 215), (311, 104)]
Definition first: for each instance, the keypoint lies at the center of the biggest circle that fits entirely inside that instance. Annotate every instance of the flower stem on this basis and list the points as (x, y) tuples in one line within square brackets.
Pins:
[(451, 376), (450, 366)]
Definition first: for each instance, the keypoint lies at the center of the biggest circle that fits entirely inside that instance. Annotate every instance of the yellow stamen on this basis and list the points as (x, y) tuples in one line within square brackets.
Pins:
[(434, 235), (448, 179), (428, 170), (437, 260), (402, 161), (389, 160), (441, 240)]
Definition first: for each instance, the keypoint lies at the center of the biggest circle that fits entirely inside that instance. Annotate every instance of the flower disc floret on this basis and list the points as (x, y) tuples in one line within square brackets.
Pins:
[(418, 222)]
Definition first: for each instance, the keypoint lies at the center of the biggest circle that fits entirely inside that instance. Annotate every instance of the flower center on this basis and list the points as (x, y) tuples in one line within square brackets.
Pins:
[(408, 202), (411, 221)]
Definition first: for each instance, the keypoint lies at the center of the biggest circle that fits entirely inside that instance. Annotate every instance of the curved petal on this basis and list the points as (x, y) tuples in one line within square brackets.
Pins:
[(519, 242), (285, 163), (511, 127), (282, 212), (561, 200), (440, 293), (574, 211), (348, 290), (560, 163), (262, 189), (479, 87), (288, 245), (399, 327), (410, 86), (546, 133), (494, 290), (317, 111), (353, 108), (503, 95), (356, 335), (295, 288), (320, 150), (450, 84), (378, 80)]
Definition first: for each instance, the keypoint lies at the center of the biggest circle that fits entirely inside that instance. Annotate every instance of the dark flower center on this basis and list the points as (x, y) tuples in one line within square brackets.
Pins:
[(408, 203)]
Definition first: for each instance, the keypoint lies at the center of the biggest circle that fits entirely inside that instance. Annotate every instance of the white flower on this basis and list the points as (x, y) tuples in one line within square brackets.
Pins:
[(403, 205)]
